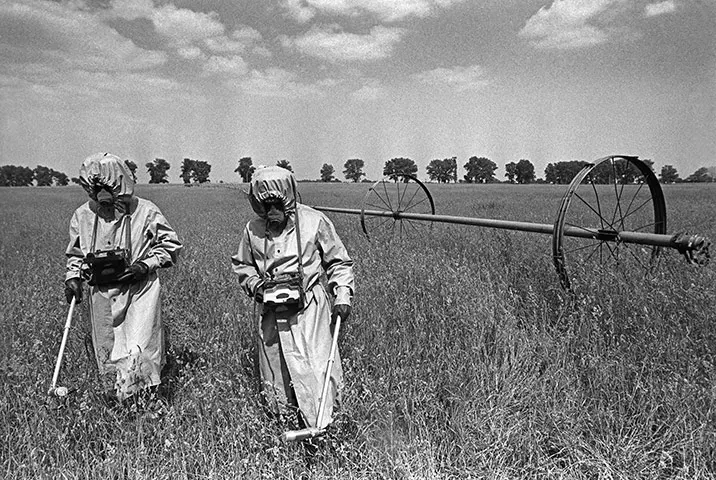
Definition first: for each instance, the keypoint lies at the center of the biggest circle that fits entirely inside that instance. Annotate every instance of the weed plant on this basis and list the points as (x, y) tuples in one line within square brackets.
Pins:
[(463, 357)]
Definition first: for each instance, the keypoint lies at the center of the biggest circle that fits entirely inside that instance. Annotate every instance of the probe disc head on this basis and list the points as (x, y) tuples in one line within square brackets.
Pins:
[(61, 391)]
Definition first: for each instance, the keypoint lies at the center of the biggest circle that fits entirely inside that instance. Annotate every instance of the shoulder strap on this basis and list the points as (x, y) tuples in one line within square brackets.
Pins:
[(94, 232), (298, 232), (126, 225)]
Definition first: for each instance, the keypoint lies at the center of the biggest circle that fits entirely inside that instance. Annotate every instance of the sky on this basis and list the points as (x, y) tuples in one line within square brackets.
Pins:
[(324, 81)]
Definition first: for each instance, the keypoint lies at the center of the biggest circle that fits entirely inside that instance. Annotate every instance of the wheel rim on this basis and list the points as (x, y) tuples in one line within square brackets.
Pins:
[(615, 194), (390, 198)]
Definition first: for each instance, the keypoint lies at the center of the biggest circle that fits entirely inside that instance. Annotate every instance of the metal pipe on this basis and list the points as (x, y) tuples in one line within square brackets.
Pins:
[(654, 239)]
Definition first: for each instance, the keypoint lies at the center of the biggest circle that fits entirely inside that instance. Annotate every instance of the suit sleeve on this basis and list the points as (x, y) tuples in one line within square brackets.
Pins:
[(74, 252), (336, 262), (165, 247), (245, 267)]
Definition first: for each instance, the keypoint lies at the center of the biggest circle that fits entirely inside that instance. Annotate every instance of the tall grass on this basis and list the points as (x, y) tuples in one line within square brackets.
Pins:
[(463, 358)]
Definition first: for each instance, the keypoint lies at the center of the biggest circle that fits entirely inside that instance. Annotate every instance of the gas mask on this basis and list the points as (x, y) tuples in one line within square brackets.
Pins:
[(108, 203), (105, 198), (275, 212)]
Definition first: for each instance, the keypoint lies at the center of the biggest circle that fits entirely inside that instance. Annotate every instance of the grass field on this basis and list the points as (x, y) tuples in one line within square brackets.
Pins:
[(463, 357)]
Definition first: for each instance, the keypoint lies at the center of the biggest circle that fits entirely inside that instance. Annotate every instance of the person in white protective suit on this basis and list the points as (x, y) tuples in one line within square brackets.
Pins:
[(117, 243), (286, 250)]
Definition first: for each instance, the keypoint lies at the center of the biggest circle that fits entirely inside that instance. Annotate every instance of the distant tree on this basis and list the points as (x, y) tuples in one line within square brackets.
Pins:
[(702, 175), (132, 168), (42, 176), (669, 174), (158, 170), (524, 171), (187, 168), (75, 180), (45, 177), (285, 164), (621, 171), (14, 176), (511, 172), (551, 174), (480, 170), (200, 172), (245, 169), (442, 171), (327, 173), (61, 179), (353, 169), (396, 167), (563, 172)]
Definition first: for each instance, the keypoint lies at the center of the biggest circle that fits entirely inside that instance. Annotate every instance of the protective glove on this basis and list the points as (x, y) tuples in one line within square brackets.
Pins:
[(73, 288), (341, 309), (259, 295), (135, 273)]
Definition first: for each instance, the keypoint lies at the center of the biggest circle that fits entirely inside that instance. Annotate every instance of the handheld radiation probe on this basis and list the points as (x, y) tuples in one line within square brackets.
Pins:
[(310, 432), (54, 389)]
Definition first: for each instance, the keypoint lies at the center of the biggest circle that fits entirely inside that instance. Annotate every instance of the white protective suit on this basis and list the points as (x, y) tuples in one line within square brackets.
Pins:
[(294, 344), (126, 321)]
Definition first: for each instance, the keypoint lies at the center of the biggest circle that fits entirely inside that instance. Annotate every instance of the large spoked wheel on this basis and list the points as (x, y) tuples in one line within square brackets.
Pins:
[(615, 194), (398, 207)]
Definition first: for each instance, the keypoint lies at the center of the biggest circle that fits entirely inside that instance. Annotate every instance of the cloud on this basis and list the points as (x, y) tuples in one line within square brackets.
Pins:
[(188, 32), (460, 78), (62, 37), (568, 24), (89, 90), (654, 9), (370, 91), (237, 42), (183, 26), (299, 11), (223, 44), (329, 43), (383, 10), (277, 82), (190, 53), (180, 26), (234, 65)]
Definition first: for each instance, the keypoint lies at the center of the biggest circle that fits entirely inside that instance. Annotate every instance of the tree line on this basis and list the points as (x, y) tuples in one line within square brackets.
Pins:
[(14, 176), (482, 170), (478, 170)]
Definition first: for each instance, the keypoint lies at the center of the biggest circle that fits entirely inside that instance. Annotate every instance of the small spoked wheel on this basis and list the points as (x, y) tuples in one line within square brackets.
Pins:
[(399, 207), (615, 194)]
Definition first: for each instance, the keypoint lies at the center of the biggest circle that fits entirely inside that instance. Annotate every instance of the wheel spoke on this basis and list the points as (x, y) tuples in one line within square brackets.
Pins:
[(418, 203), (593, 210), (399, 197), (379, 207), (387, 196), (613, 251), (599, 206), (597, 248), (636, 194), (419, 228), (646, 202), (382, 221), (581, 228), (385, 202), (591, 245), (392, 198), (635, 256), (619, 207), (409, 204), (652, 224)]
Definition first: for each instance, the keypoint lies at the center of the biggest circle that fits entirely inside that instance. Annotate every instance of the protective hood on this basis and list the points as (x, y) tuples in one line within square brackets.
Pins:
[(268, 182), (107, 170)]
